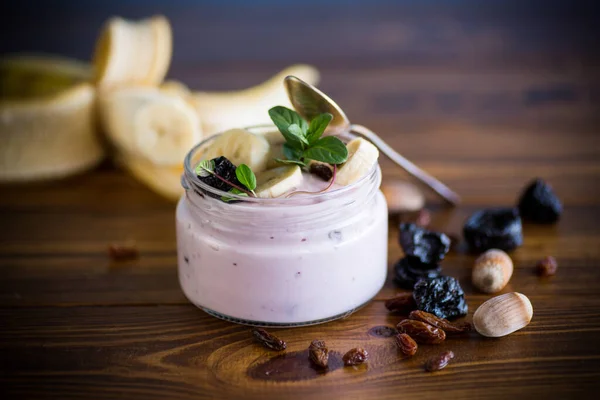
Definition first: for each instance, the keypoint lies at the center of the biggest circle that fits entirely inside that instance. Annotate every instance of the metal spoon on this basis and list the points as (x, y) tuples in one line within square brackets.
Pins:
[(309, 102)]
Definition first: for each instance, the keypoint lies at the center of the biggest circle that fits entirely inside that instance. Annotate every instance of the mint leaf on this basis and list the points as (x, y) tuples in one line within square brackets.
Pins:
[(329, 149), (205, 168), (283, 117), (291, 153), (246, 177), (290, 162), (317, 127)]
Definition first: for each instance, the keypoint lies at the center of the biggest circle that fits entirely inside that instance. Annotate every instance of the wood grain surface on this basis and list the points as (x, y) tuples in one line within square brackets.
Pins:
[(484, 98)]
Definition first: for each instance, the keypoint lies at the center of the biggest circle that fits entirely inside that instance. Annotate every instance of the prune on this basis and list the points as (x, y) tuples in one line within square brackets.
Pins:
[(226, 170), (427, 246), (494, 228), (409, 271), (539, 203), (442, 297)]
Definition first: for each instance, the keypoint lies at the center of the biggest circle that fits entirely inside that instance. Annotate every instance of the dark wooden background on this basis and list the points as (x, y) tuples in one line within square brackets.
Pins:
[(485, 96)]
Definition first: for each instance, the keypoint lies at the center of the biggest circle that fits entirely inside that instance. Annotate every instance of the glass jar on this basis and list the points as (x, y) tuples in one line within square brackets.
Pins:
[(284, 261)]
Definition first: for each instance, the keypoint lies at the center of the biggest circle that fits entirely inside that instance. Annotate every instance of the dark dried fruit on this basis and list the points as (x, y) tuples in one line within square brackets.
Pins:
[(355, 356), (268, 340), (539, 203), (439, 362), (226, 170), (318, 353), (547, 266), (410, 270), (421, 332), (494, 228), (441, 296), (441, 323), (402, 304), (322, 170), (406, 344), (426, 246), (123, 252)]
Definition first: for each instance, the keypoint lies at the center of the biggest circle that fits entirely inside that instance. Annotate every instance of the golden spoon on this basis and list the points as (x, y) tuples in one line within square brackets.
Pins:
[(309, 102)]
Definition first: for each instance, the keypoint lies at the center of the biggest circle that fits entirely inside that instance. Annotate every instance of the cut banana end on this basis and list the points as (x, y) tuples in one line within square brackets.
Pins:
[(133, 52), (220, 111), (278, 181), (362, 154), (147, 122), (240, 147), (47, 118), (165, 181)]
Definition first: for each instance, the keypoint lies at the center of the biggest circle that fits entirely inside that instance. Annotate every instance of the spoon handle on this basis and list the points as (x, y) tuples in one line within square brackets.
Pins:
[(444, 191)]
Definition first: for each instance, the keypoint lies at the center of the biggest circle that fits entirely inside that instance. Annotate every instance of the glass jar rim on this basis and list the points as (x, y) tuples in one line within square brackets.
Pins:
[(189, 177)]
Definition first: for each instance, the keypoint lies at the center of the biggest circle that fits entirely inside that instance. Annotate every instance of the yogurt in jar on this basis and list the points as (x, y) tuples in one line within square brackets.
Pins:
[(284, 262)]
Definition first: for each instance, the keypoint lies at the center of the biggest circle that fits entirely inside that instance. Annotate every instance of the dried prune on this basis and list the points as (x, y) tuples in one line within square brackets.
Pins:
[(539, 203), (494, 228), (224, 169), (427, 246), (442, 297), (409, 271)]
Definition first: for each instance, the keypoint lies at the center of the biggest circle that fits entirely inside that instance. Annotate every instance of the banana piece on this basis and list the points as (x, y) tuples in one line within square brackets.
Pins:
[(240, 147), (133, 52), (47, 118), (149, 123), (362, 154), (220, 111), (277, 181)]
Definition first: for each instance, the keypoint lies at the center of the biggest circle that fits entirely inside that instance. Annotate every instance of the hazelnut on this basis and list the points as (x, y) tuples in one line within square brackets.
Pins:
[(492, 271), (402, 196), (503, 315)]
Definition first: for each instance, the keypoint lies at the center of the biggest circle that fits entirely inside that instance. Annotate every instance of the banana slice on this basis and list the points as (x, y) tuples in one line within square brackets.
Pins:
[(362, 154), (240, 147), (136, 52), (277, 181), (47, 118), (220, 111), (147, 122)]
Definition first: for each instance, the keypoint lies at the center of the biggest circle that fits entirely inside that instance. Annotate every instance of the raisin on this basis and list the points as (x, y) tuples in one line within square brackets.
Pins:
[(421, 332), (441, 323), (426, 246), (122, 252), (539, 203), (355, 356), (402, 304), (441, 296), (322, 170), (268, 340), (410, 270), (226, 170), (318, 353), (547, 266), (406, 344), (494, 228), (439, 362)]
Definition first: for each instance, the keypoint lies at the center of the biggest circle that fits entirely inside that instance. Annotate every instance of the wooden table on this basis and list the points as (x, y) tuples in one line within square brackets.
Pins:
[(481, 110)]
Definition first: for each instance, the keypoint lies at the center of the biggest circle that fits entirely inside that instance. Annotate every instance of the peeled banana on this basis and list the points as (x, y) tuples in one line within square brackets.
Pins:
[(47, 118), (278, 181), (362, 155), (240, 147)]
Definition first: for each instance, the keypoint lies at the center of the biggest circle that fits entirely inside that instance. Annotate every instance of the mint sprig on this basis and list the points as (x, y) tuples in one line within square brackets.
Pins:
[(304, 141), (246, 177)]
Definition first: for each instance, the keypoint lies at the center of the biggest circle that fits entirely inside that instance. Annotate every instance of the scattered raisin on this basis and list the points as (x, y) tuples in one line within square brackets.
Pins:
[(410, 270), (318, 353), (122, 252), (421, 332), (268, 339), (441, 323), (439, 362), (406, 344), (539, 203), (441, 296), (355, 356), (322, 170), (427, 246), (494, 228), (547, 266), (402, 304)]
